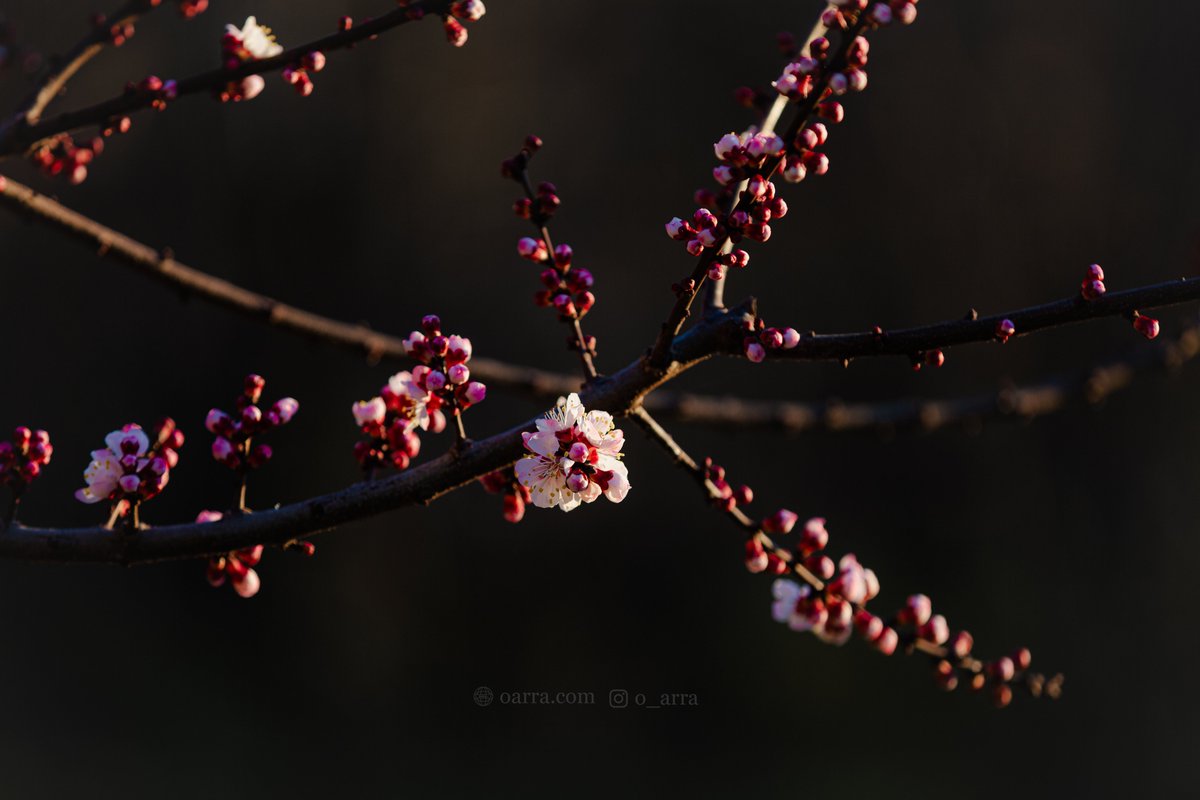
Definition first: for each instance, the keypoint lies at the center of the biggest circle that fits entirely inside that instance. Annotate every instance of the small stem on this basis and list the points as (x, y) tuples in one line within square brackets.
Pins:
[(244, 471), (10, 514), (114, 515)]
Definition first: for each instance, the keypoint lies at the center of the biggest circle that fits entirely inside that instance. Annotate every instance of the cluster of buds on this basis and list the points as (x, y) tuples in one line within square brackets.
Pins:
[(845, 13), (831, 613), (929, 358), (1093, 283), (443, 373), (758, 339), (460, 11), (116, 33), (777, 562), (297, 75), (759, 205), (156, 89), (834, 610), (565, 288), (726, 497), (233, 446), (132, 467), (60, 155), (23, 457), (251, 42), (189, 9), (236, 566), (389, 421), (515, 496), (416, 399)]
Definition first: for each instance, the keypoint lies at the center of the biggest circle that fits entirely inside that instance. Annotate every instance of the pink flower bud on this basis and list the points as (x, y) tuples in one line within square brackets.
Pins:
[(514, 507), (285, 409), (1146, 326), (222, 448), (755, 352), (961, 644), (918, 609), (887, 641), (781, 522), (248, 584), (129, 483), (935, 630), (476, 391), (1004, 330), (458, 374)]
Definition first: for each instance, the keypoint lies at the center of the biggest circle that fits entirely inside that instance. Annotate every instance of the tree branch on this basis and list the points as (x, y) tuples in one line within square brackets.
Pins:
[(914, 341), (1090, 386), (19, 136), (357, 338), (619, 394), (1035, 684)]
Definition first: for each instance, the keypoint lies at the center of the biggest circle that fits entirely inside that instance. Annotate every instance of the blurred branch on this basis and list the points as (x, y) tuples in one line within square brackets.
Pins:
[(65, 68), (162, 265), (19, 135)]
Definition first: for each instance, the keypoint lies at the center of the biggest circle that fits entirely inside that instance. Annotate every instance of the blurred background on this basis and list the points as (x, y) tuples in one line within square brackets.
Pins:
[(1002, 146)]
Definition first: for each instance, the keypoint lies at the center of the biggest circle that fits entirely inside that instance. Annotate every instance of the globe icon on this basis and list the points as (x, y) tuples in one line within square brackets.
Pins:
[(483, 696)]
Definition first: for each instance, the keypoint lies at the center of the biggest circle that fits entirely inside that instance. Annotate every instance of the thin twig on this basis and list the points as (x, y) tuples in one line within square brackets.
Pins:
[(806, 107), (20, 136), (99, 37), (912, 342)]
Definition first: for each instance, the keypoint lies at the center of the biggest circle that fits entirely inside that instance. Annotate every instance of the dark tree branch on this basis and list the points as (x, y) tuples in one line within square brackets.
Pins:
[(1026, 402), (619, 394), (21, 136), (914, 341)]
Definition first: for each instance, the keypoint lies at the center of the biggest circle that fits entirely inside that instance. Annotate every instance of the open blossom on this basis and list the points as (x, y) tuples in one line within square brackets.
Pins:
[(251, 42), (131, 467), (574, 457)]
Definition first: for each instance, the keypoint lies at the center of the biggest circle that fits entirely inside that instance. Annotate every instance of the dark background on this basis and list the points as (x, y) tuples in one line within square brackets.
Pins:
[(1001, 147)]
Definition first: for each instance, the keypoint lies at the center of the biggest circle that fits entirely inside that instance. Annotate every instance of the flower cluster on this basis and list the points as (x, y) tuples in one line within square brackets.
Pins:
[(132, 467), (22, 458), (251, 42), (574, 457), (60, 155), (515, 496), (233, 446), (758, 339), (832, 604), (297, 75), (237, 566), (727, 498), (416, 399), (460, 12)]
